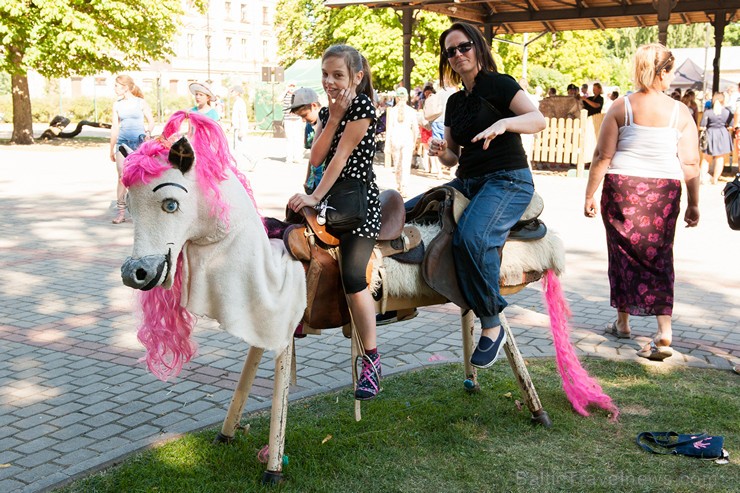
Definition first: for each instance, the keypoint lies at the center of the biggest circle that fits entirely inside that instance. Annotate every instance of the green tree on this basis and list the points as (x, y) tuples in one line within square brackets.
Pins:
[(307, 28), (59, 38)]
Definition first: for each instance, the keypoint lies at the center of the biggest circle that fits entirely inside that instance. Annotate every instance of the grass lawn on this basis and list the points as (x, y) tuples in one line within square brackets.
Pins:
[(424, 433)]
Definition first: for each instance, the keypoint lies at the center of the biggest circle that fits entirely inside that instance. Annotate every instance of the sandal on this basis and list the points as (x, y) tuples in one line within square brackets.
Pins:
[(120, 218), (654, 352), (611, 329)]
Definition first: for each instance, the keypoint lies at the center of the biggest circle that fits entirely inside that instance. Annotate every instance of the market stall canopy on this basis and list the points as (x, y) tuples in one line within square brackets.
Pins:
[(531, 16), (690, 76)]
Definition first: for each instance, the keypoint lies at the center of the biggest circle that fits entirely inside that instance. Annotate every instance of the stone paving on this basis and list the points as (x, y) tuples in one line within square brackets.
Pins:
[(74, 396)]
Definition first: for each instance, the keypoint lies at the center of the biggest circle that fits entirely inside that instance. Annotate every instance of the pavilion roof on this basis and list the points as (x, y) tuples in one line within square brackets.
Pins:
[(520, 16)]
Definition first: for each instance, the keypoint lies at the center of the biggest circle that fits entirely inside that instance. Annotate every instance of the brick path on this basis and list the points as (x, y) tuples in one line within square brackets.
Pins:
[(74, 398)]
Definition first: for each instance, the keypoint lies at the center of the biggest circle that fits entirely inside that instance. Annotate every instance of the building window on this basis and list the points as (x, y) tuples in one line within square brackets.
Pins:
[(265, 50), (191, 44), (228, 48), (173, 86), (245, 13), (265, 15), (227, 9), (245, 49)]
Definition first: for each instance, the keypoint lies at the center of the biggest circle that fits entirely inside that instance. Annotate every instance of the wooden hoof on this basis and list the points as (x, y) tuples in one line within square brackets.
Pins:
[(471, 387), (221, 438), (541, 418), (273, 477)]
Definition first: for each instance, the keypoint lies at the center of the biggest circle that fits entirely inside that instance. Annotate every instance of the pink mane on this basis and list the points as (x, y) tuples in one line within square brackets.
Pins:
[(166, 326)]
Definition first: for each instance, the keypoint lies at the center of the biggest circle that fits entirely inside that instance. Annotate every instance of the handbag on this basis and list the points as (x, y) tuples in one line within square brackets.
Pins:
[(345, 206), (703, 140), (732, 202), (699, 445)]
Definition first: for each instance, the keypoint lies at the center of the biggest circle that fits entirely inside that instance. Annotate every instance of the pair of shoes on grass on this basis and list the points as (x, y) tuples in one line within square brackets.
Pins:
[(487, 351), (368, 385)]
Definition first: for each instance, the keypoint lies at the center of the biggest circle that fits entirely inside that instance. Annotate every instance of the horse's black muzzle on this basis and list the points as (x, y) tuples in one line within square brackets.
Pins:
[(146, 272)]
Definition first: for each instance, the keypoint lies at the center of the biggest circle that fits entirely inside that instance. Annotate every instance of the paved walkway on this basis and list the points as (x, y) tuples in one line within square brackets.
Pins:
[(74, 397)]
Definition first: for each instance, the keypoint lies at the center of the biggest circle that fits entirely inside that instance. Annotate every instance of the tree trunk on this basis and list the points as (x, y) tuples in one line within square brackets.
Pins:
[(22, 119)]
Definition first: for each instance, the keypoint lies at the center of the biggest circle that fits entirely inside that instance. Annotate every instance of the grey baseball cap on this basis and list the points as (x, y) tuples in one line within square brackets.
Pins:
[(302, 97)]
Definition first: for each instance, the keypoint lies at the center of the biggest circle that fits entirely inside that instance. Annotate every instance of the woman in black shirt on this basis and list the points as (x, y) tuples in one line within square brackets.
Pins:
[(483, 123)]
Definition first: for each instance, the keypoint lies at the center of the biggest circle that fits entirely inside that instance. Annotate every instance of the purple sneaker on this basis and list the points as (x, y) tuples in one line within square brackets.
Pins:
[(368, 385)]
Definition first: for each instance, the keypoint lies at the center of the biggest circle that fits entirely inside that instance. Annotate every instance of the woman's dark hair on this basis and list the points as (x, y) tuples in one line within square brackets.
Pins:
[(482, 53), (355, 63)]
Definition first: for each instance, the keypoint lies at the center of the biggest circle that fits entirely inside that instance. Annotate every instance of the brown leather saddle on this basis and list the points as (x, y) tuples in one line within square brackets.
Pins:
[(445, 205), (315, 246)]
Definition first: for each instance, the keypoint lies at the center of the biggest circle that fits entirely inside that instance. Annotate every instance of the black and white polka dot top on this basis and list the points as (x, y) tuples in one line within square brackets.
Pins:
[(360, 161)]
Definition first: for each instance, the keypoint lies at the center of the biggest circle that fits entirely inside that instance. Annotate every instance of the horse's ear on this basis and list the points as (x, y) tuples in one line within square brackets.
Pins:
[(181, 155)]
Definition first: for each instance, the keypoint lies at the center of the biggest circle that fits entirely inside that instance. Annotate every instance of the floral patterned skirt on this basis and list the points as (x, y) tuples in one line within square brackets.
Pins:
[(640, 217)]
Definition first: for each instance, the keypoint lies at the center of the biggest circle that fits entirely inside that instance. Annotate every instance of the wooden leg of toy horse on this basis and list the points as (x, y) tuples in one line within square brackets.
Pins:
[(355, 354), (467, 324), (279, 415), (539, 415), (241, 393)]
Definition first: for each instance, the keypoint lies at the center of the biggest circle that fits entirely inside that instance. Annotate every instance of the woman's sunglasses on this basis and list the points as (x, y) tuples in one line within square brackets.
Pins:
[(462, 48)]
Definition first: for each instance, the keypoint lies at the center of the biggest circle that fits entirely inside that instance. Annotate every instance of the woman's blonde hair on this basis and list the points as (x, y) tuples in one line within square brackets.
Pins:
[(126, 80), (650, 61)]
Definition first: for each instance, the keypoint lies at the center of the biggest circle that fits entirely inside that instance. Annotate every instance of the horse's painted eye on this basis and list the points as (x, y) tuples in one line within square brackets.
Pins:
[(170, 205)]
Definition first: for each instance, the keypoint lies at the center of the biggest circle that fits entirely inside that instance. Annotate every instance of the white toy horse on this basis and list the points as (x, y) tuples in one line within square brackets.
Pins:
[(200, 248)]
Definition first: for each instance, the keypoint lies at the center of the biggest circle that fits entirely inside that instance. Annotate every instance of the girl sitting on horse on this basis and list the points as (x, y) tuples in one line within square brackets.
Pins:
[(346, 142)]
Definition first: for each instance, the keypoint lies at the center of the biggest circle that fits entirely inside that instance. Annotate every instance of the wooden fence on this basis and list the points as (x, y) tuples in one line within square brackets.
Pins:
[(567, 141)]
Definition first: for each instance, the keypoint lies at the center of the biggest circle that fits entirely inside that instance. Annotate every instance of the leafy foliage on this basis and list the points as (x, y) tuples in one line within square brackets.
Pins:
[(307, 28), (59, 38)]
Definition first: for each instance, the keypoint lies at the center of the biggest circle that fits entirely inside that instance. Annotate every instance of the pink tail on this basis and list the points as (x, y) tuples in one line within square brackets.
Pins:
[(579, 387)]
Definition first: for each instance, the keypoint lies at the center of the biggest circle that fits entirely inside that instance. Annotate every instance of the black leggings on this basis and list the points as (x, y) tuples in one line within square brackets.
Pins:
[(355, 252)]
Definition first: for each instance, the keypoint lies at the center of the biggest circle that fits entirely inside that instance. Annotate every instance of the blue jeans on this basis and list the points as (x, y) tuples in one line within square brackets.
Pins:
[(133, 144), (497, 201)]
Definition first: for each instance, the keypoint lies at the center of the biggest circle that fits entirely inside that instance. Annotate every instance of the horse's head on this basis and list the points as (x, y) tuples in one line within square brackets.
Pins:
[(173, 197)]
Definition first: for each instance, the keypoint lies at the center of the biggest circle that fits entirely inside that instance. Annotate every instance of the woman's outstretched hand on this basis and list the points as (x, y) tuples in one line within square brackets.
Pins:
[(490, 133)]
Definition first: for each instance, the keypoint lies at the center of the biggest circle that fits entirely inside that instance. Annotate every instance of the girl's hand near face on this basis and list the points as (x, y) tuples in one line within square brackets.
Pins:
[(338, 106)]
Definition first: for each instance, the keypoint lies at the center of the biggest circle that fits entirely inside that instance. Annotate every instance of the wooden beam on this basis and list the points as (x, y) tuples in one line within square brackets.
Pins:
[(611, 11)]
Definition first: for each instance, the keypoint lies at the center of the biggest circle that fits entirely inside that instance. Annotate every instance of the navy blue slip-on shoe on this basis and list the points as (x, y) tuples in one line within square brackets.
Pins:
[(486, 353)]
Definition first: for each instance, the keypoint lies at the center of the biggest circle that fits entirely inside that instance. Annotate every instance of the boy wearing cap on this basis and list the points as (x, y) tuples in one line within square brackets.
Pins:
[(305, 104)]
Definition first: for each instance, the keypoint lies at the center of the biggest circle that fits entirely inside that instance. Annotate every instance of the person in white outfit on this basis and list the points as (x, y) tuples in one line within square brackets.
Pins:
[(402, 132)]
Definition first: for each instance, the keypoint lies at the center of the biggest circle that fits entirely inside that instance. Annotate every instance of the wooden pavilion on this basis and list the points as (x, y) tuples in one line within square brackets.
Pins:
[(538, 16)]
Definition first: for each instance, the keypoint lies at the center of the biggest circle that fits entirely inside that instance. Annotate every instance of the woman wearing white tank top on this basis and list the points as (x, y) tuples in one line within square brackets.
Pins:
[(648, 143)]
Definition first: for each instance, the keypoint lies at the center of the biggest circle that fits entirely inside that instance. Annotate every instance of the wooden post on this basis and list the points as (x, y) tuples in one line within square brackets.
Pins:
[(279, 416), (355, 353), (467, 324), (581, 164), (241, 393), (521, 373)]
